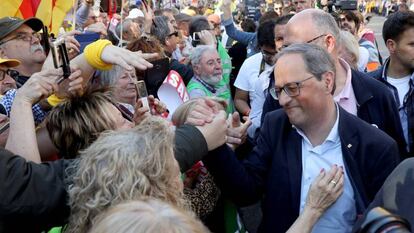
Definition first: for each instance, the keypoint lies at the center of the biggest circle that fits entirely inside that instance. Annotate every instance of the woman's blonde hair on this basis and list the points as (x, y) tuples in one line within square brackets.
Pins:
[(350, 45), (122, 166), (76, 123), (147, 216)]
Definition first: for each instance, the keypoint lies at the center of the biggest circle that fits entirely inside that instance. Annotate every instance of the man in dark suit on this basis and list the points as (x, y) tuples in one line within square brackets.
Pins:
[(357, 93), (295, 144)]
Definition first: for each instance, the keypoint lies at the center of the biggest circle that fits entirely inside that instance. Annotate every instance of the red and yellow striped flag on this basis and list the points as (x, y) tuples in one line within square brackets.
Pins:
[(51, 12)]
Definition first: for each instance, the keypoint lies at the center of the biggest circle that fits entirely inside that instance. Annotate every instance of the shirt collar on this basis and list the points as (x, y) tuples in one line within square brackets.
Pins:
[(333, 135), (205, 84), (385, 69), (347, 90)]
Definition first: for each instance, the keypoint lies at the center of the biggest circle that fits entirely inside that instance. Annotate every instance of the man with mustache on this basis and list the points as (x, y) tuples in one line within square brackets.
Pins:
[(208, 76), (19, 39)]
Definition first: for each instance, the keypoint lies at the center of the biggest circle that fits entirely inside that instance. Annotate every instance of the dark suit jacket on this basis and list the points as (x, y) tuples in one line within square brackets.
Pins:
[(375, 105), (273, 170)]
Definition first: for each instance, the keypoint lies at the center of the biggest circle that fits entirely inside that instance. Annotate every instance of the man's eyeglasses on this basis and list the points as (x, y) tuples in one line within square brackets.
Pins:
[(12, 73), (23, 37), (307, 42), (291, 89), (312, 40), (173, 34)]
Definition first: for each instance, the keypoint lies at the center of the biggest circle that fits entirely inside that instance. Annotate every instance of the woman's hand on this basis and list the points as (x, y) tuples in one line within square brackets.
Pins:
[(127, 59), (325, 189)]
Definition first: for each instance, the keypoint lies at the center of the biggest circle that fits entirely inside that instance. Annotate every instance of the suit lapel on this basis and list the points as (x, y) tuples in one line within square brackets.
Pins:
[(350, 144), (294, 164)]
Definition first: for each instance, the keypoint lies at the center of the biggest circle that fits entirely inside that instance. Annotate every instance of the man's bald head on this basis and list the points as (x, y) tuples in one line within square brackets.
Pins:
[(311, 26)]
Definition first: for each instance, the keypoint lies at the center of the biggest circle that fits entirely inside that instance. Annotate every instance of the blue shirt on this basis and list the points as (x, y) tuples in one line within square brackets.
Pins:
[(341, 216), (7, 102)]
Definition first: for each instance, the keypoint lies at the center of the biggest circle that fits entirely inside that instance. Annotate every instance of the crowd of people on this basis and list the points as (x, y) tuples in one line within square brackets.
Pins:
[(291, 123)]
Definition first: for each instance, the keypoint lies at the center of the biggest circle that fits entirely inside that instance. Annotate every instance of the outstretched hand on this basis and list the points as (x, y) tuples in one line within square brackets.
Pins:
[(127, 59)]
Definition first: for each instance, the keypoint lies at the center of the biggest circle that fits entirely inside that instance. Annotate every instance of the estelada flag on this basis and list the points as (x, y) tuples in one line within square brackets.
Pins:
[(51, 12)]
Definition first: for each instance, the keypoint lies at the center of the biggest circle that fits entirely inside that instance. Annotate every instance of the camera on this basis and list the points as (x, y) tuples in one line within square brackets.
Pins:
[(60, 57), (195, 39), (379, 220)]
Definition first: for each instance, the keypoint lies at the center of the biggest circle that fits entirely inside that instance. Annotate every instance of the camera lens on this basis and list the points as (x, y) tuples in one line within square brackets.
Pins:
[(378, 220)]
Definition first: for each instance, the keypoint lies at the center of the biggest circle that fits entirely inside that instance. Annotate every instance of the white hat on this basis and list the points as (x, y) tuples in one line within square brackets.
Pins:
[(135, 13)]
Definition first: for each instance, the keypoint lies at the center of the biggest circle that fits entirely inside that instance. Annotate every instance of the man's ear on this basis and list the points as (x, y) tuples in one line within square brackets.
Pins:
[(196, 69), (330, 43), (391, 46), (328, 79)]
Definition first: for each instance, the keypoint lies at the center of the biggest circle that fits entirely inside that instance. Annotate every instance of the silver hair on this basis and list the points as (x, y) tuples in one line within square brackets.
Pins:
[(325, 23), (198, 52), (125, 27), (317, 60), (108, 78), (160, 28), (350, 44)]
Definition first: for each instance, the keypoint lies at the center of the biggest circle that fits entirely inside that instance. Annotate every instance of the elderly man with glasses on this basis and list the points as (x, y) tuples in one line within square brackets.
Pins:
[(19, 39), (295, 145), (355, 92)]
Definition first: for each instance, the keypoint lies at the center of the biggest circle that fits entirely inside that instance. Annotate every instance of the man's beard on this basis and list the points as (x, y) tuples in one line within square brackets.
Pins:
[(213, 80)]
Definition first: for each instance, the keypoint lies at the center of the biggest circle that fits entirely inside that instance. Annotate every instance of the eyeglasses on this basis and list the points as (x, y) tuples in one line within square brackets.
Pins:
[(24, 37), (307, 42), (12, 73), (173, 34), (312, 40), (291, 89)]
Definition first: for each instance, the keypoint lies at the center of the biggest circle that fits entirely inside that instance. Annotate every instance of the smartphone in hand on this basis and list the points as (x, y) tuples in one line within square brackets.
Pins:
[(142, 93)]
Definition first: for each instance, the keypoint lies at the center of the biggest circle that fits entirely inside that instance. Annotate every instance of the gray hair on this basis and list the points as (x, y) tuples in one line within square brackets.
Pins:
[(317, 60), (198, 52), (325, 23), (350, 44), (160, 28), (125, 26), (108, 78)]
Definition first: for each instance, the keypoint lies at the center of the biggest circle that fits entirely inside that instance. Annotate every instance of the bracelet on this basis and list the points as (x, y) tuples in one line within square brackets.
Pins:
[(93, 54)]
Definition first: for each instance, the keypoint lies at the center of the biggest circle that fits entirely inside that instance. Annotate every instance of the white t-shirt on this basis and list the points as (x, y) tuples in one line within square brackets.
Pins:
[(363, 58), (403, 86), (249, 74)]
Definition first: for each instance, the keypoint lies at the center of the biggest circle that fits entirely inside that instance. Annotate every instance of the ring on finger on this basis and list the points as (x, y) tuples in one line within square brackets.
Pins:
[(333, 182)]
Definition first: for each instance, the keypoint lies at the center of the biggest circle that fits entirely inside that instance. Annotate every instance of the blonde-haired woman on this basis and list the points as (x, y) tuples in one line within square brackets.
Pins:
[(147, 216), (123, 166)]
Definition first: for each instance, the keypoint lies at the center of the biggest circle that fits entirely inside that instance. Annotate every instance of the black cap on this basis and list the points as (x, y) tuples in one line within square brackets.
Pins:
[(9, 24)]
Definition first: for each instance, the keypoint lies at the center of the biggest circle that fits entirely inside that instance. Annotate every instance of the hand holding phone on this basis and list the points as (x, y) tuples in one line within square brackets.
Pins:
[(142, 93), (60, 57)]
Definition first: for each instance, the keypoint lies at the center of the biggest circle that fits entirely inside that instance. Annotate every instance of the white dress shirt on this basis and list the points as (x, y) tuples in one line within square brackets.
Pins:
[(341, 216)]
